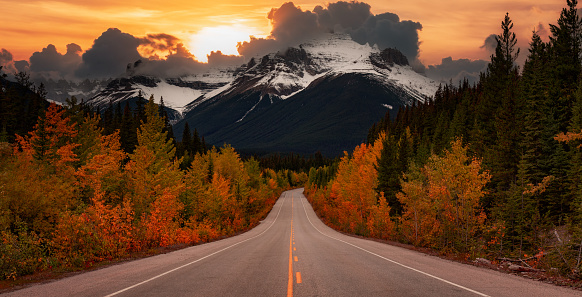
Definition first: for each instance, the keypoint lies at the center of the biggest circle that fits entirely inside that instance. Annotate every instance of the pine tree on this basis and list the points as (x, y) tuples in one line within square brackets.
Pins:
[(127, 131), (498, 114), (187, 139), (389, 174), (533, 90), (197, 146), (565, 49)]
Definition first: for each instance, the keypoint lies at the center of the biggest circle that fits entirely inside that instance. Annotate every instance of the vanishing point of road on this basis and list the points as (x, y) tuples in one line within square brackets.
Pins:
[(292, 253)]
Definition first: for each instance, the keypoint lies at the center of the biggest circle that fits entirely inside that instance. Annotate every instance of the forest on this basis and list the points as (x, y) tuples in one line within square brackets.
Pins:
[(81, 187), (487, 170)]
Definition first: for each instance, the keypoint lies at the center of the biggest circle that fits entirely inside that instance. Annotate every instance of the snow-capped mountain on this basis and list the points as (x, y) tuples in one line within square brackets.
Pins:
[(321, 95), (284, 74), (175, 92), (60, 90)]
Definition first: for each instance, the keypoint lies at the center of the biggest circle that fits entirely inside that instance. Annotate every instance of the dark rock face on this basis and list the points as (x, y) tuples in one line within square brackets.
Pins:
[(127, 83), (388, 57)]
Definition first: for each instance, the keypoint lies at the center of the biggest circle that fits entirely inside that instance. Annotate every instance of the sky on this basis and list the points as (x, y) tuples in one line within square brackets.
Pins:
[(438, 33)]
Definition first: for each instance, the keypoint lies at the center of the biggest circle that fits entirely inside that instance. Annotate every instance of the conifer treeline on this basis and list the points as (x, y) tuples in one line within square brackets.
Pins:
[(20, 105), (522, 128)]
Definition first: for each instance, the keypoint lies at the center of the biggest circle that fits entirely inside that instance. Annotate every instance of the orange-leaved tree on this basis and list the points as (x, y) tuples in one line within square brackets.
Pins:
[(40, 181), (358, 208)]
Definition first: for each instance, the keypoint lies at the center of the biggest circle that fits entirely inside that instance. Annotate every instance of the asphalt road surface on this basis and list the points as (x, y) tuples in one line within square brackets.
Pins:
[(292, 253)]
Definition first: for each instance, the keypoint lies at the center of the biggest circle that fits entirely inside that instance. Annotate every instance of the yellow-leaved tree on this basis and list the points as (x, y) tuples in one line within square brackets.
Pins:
[(358, 208), (442, 201), (155, 180)]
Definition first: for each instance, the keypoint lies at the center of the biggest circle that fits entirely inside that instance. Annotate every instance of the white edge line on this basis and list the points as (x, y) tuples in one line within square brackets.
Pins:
[(392, 261), (190, 263)]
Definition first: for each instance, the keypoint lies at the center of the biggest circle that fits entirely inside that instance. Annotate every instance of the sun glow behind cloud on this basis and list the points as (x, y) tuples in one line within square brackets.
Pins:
[(220, 38)]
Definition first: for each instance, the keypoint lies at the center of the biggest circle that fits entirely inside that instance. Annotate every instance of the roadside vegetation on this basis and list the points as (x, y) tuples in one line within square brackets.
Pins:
[(72, 197), (492, 170)]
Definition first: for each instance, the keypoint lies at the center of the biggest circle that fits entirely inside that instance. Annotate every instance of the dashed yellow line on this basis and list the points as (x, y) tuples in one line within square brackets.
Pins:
[(298, 277), (290, 283), (295, 258)]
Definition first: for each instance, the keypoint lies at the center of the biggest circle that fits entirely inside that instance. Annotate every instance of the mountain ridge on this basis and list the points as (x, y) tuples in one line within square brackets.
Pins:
[(237, 106)]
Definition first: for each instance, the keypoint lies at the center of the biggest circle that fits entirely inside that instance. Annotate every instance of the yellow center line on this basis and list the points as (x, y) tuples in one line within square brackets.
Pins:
[(290, 283), (298, 277), (295, 258)]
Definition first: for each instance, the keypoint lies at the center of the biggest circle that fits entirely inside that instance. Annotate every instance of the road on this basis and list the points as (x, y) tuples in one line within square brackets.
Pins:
[(292, 253)]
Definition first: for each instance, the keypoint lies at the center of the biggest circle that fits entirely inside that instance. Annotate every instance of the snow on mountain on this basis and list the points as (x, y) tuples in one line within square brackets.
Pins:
[(338, 54), (276, 77), (175, 97), (285, 74), (176, 92)]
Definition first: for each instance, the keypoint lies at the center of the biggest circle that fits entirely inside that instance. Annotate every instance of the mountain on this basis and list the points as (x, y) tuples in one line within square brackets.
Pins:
[(176, 92), (60, 90), (320, 96)]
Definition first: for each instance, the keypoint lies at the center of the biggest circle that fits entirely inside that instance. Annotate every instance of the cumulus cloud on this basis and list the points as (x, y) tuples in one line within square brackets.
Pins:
[(386, 30), (291, 25), (457, 70), (219, 60), (109, 55), (258, 47), (179, 62), (342, 15), (6, 62), (490, 44), (155, 44), (52, 64), (22, 66), (9, 66)]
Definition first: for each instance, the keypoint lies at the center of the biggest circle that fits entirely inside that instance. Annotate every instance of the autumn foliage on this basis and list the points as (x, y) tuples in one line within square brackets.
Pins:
[(440, 200), (71, 197), (351, 203)]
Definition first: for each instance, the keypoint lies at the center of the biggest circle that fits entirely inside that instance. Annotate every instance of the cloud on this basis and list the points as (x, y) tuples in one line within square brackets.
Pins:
[(258, 47), (5, 57), (386, 30), (543, 32), (155, 44), (179, 62), (219, 60), (457, 70), (292, 25), (6, 62), (109, 55), (490, 44), (52, 64), (343, 15), (22, 66)]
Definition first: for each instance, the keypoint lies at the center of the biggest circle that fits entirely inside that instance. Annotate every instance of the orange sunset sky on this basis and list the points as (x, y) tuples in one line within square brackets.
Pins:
[(454, 28)]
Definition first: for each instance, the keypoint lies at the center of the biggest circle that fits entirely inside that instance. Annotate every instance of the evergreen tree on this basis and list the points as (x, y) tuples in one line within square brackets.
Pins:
[(389, 174), (533, 84), (498, 114), (127, 131), (196, 145)]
